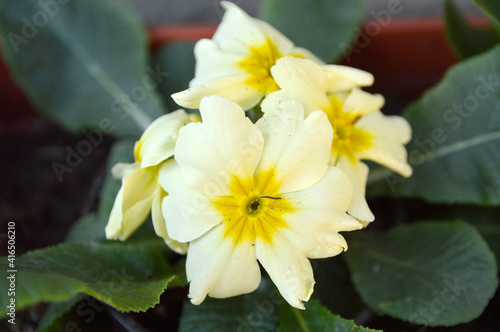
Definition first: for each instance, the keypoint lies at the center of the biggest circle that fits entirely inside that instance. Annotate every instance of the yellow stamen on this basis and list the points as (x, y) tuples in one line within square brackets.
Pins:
[(254, 209)]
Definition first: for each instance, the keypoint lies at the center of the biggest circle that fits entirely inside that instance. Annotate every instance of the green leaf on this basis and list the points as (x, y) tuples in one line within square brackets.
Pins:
[(491, 7), (87, 229), (326, 28), (82, 63), (257, 311), (315, 318), (127, 278), (467, 41), (178, 60), (55, 312), (121, 152), (333, 283), (456, 138), (432, 273)]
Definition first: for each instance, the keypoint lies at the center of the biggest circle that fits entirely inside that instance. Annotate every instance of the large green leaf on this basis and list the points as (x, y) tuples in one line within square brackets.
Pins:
[(257, 311), (325, 27), (315, 318), (127, 278), (491, 7), (178, 60), (467, 41), (432, 273), (82, 62), (456, 138)]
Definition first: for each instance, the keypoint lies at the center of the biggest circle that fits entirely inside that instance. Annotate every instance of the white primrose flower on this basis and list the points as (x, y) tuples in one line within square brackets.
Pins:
[(361, 131), (241, 192), (236, 62), (140, 192)]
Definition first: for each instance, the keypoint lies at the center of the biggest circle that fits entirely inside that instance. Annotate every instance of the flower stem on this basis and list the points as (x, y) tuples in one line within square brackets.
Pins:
[(300, 318)]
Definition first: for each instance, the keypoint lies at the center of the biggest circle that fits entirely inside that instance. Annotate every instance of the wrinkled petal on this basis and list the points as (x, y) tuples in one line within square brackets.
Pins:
[(216, 267), (213, 63), (319, 214), (339, 78), (158, 141), (224, 145), (300, 52), (290, 270), (358, 174), (361, 102), (187, 214), (283, 44), (390, 133), (303, 80), (160, 225), (132, 204), (297, 152), (234, 87)]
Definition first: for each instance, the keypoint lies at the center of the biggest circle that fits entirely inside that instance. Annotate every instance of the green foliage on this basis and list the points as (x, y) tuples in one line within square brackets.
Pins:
[(491, 7), (467, 41), (315, 318), (55, 313), (178, 60), (257, 311), (127, 278), (456, 138), (432, 273), (82, 63), (325, 27)]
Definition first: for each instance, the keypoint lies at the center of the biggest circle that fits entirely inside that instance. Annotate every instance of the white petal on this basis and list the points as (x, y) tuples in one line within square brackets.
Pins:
[(304, 81), (213, 63), (238, 32), (358, 174), (216, 267), (132, 204), (234, 87), (290, 270), (298, 153), (187, 214), (225, 145), (306, 54), (319, 213), (389, 134), (160, 225), (120, 170), (158, 141), (361, 102), (340, 78), (283, 44)]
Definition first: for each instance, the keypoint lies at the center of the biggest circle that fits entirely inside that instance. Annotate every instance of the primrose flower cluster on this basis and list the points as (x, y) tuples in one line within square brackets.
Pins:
[(231, 193)]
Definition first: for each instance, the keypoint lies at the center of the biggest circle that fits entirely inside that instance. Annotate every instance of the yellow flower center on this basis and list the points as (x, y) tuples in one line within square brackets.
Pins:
[(347, 138), (259, 64), (254, 209)]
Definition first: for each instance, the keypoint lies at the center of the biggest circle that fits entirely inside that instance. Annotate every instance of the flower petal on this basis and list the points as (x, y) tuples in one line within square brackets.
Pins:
[(303, 80), (361, 102), (158, 141), (319, 214), (187, 213), (358, 174), (389, 134), (224, 145), (300, 52), (160, 225), (215, 266), (339, 78), (132, 204), (290, 270), (283, 44), (238, 32), (120, 170), (296, 150), (213, 63), (234, 87)]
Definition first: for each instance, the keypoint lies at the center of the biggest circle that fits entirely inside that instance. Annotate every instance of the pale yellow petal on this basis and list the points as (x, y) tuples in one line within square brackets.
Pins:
[(234, 87), (361, 102), (339, 78), (218, 268)]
